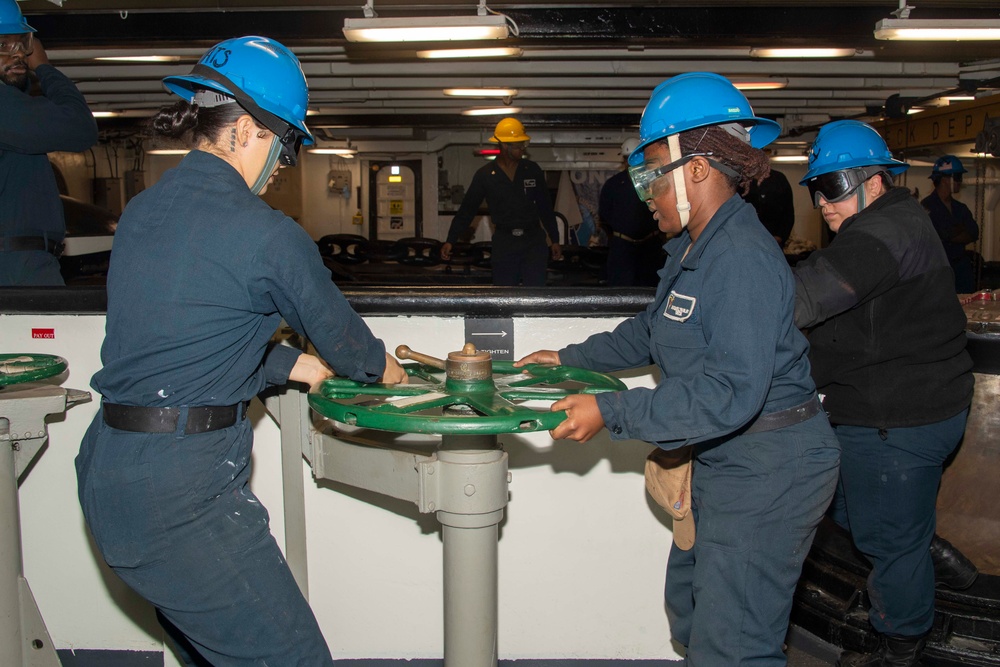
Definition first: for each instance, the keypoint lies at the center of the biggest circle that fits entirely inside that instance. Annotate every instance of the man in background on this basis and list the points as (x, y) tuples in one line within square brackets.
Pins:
[(772, 199), (32, 225), (524, 222), (635, 244), (953, 220)]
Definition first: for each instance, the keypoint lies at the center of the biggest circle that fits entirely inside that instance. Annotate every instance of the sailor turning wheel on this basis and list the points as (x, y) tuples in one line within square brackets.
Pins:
[(467, 399), (24, 404)]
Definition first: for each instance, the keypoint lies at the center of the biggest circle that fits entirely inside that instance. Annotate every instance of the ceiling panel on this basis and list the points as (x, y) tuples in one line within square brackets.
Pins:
[(583, 64)]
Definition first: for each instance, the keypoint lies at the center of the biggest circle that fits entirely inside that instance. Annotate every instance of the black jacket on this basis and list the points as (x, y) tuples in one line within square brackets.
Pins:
[(887, 333)]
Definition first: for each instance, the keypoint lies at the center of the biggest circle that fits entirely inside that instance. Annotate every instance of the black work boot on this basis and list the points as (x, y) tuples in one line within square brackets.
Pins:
[(951, 568), (891, 652)]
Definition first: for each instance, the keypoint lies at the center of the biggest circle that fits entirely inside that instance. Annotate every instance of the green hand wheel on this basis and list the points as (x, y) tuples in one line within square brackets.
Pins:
[(17, 368), (470, 394)]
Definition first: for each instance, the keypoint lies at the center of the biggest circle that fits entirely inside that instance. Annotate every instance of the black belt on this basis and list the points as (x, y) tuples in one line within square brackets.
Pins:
[(625, 237), (22, 243), (200, 419), (783, 418)]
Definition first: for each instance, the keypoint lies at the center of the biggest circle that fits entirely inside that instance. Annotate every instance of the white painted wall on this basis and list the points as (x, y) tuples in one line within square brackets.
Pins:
[(582, 548)]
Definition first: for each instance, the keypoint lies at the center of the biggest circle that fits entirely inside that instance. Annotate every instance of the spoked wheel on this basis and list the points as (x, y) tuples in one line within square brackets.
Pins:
[(475, 396), (17, 368)]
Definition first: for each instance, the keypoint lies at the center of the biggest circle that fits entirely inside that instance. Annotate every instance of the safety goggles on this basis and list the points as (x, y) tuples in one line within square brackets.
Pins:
[(644, 176), (291, 142), (515, 145), (836, 186), (12, 44)]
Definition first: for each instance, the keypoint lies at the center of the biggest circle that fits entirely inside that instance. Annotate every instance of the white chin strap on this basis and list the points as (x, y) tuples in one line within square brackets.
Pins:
[(683, 205), (272, 161)]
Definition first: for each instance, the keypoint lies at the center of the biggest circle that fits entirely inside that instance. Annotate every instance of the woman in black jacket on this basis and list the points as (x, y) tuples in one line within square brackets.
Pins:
[(887, 339)]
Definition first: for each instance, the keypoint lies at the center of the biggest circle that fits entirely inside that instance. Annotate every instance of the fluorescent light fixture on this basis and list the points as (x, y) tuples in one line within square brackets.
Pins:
[(343, 152), (938, 30), (168, 151), (765, 84), (141, 59), (104, 114), (802, 53), (495, 52), (426, 29), (481, 92), (492, 111), (798, 159), (959, 98)]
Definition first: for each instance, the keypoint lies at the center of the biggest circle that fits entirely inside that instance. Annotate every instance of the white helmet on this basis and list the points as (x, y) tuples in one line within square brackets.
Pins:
[(629, 145)]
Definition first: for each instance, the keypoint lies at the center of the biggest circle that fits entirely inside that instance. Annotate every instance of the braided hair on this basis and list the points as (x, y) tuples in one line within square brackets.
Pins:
[(750, 163)]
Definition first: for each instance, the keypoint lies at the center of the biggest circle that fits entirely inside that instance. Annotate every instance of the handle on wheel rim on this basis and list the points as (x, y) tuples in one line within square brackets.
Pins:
[(483, 408)]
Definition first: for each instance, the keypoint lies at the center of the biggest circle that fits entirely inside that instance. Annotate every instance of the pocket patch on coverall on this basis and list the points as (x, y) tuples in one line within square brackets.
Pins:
[(679, 307)]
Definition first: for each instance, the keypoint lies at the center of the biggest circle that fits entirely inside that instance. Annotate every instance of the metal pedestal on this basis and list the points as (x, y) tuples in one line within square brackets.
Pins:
[(464, 483), (24, 639)]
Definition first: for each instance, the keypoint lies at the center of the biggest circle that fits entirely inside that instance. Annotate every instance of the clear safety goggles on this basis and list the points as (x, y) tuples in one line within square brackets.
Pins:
[(643, 176), (515, 145), (12, 44), (836, 186)]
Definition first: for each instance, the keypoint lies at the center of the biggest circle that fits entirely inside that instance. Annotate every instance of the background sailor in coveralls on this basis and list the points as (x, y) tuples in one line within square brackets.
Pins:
[(735, 381), (524, 224), (32, 223), (635, 243), (201, 275)]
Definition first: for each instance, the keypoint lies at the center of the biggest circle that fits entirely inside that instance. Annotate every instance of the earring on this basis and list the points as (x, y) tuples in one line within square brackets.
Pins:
[(245, 144)]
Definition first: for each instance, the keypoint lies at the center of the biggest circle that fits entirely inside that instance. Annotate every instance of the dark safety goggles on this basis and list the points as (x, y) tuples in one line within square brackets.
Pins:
[(291, 142), (643, 176), (12, 44), (836, 186)]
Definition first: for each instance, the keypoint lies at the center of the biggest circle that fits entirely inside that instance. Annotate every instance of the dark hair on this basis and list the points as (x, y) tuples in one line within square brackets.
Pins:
[(750, 163), (187, 123)]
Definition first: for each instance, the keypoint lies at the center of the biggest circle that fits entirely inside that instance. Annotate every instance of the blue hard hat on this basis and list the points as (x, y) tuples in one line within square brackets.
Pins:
[(258, 68), (947, 165), (849, 144), (698, 99), (11, 20)]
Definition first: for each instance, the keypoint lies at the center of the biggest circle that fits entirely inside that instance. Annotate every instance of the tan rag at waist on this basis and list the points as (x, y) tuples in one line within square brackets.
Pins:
[(668, 481)]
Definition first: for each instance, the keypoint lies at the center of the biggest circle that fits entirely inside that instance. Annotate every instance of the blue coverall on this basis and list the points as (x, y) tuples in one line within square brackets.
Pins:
[(949, 222), (721, 331), (523, 220), (30, 127), (201, 274), (634, 245)]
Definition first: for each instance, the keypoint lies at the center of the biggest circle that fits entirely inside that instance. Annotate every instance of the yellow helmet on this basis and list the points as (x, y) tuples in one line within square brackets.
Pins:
[(508, 130)]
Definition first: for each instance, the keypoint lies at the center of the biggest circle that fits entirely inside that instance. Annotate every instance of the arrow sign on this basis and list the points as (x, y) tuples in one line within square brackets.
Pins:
[(493, 335)]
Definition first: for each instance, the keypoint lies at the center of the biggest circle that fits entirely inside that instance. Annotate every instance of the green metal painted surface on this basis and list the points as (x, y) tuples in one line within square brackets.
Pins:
[(433, 404), (17, 368)]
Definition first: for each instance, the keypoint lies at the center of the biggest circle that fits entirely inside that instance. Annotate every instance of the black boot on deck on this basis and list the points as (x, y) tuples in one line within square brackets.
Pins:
[(951, 568), (891, 652)]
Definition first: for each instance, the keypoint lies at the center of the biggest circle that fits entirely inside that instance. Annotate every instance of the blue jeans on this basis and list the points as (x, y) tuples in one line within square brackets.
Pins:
[(886, 498), (757, 499), (173, 516)]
